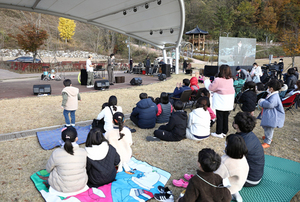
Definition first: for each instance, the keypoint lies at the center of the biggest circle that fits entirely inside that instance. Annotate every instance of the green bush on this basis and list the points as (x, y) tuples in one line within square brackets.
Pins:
[(263, 52)]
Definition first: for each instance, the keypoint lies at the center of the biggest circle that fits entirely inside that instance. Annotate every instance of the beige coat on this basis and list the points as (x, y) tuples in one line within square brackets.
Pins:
[(236, 170), (67, 172), (73, 97)]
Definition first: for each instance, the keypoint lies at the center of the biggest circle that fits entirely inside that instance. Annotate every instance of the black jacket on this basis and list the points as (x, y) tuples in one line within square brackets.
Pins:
[(291, 81), (101, 172), (248, 99), (145, 111), (255, 156), (177, 124)]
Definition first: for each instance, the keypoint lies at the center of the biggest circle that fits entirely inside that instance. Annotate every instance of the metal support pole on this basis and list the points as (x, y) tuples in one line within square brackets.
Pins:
[(165, 55), (177, 60)]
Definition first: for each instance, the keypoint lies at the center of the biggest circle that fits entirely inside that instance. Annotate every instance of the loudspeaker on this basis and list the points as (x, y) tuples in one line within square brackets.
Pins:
[(42, 89), (101, 84), (210, 70), (162, 77), (136, 81), (83, 77), (166, 69)]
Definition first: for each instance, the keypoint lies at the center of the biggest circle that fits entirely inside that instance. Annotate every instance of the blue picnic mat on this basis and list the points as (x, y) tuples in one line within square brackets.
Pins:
[(280, 182), (51, 138)]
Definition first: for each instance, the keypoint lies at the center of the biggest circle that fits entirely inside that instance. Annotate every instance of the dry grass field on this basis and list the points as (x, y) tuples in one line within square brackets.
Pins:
[(22, 157)]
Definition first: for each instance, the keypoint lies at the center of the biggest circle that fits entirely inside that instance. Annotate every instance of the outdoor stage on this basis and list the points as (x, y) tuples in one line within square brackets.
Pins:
[(17, 86)]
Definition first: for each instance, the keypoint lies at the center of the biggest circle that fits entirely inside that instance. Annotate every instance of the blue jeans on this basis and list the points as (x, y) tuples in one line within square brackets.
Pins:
[(66, 115), (268, 134)]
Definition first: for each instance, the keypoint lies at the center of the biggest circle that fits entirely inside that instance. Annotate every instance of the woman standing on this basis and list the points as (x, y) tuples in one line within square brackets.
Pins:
[(223, 98)]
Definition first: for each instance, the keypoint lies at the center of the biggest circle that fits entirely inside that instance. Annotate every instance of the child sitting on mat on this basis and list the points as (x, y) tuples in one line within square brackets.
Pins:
[(248, 97), (234, 164), (67, 165), (175, 130), (102, 158), (206, 185), (121, 139), (70, 96)]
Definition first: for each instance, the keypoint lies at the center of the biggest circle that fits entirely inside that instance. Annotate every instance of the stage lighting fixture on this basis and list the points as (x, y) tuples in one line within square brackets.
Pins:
[(151, 32), (161, 31), (171, 31), (134, 9), (146, 5), (158, 2), (124, 12)]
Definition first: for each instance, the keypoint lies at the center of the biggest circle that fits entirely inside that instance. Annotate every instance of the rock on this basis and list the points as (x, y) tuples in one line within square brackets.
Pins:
[(295, 139)]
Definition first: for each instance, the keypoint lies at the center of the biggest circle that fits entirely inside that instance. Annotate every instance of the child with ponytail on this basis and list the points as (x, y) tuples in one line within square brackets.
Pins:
[(67, 164), (108, 112), (121, 139)]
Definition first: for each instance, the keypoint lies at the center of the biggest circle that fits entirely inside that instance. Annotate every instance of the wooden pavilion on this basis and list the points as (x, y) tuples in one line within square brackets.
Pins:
[(197, 37)]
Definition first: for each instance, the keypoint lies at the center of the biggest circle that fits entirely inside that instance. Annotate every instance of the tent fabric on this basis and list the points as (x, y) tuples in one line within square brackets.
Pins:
[(197, 30), (163, 18)]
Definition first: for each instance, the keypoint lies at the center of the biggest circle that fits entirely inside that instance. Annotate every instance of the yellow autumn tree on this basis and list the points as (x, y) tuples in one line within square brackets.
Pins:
[(66, 27), (291, 43)]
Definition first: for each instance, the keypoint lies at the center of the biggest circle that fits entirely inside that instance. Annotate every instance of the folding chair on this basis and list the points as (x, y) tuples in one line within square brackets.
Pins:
[(184, 98), (289, 102)]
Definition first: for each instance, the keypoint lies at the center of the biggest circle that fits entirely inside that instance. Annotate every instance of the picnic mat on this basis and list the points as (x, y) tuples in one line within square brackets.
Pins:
[(140, 186), (280, 182), (51, 138)]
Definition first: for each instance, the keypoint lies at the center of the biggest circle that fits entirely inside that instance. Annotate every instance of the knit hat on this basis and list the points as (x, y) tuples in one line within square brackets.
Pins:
[(237, 68)]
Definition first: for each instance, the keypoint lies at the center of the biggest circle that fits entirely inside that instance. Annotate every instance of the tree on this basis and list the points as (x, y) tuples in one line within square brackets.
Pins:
[(31, 38), (291, 43), (223, 20), (66, 27)]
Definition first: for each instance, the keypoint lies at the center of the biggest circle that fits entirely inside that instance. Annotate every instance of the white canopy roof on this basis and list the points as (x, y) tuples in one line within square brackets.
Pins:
[(167, 17)]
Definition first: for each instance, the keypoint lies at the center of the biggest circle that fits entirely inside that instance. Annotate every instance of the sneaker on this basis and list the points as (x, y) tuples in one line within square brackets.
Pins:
[(237, 197), (188, 176), (165, 197), (151, 138), (73, 125), (265, 145), (162, 189), (264, 137), (217, 135), (180, 183), (111, 84), (90, 86), (132, 130)]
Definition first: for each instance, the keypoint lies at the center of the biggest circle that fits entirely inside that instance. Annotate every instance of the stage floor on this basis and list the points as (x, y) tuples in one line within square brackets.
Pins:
[(23, 87)]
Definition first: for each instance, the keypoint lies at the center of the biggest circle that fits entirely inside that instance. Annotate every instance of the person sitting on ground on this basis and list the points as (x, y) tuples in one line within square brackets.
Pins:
[(108, 112), (180, 88), (272, 115), (67, 165), (70, 96), (244, 123), (102, 159), (194, 85), (121, 139), (283, 89), (175, 129), (164, 109), (256, 73), (248, 97), (205, 93), (234, 165), (243, 74), (144, 114), (291, 79), (206, 185), (198, 127)]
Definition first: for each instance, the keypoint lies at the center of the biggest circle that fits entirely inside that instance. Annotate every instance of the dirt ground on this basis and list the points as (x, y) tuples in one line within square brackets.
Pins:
[(22, 157)]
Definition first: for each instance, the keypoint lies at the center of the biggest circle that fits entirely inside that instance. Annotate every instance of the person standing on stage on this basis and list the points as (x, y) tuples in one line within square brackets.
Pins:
[(131, 64), (90, 72), (110, 68)]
